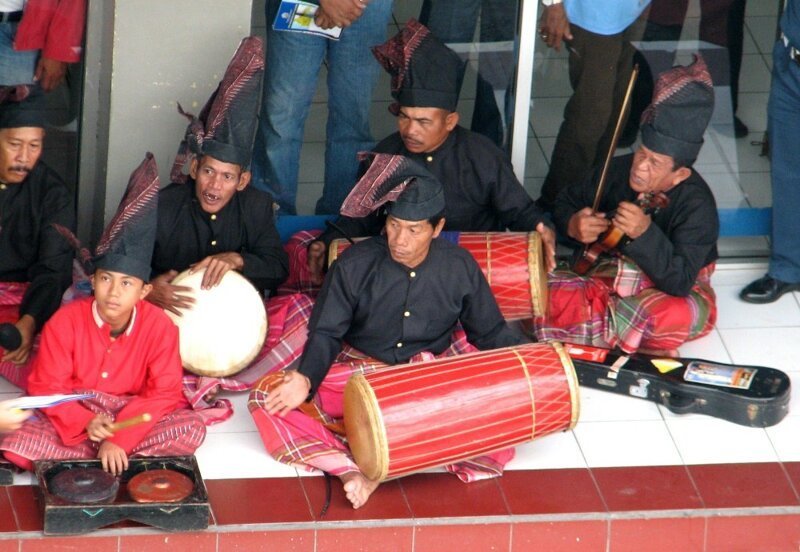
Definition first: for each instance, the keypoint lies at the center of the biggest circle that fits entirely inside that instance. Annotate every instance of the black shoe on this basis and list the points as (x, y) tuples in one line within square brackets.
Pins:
[(740, 129), (766, 290)]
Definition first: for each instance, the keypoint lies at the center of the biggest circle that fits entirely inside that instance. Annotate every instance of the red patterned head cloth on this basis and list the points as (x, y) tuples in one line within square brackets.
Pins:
[(682, 105), (414, 192), (126, 245), (425, 72), (227, 124)]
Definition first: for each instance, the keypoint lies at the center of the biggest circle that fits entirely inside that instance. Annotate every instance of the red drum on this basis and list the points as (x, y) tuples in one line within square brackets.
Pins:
[(513, 263), (407, 418)]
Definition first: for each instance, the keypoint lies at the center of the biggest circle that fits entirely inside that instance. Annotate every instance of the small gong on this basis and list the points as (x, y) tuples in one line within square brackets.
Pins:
[(160, 486), (84, 485)]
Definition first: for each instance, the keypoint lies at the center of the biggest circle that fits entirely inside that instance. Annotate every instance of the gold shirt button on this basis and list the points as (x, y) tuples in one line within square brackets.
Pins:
[(3, 186), (412, 274), (213, 217), (213, 242), (406, 314), (429, 158), (399, 345)]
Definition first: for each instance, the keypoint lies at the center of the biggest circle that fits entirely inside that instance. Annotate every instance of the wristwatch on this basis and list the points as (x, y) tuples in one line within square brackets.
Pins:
[(551, 2)]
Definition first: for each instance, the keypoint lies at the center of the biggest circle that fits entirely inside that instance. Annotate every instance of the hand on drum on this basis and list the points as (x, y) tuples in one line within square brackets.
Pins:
[(316, 260), (289, 394), (216, 267), (168, 296), (113, 458), (549, 242), (99, 428), (586, 225)]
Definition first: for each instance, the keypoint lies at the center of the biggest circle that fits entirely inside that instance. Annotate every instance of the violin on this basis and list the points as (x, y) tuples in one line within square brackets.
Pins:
[(613, 237)]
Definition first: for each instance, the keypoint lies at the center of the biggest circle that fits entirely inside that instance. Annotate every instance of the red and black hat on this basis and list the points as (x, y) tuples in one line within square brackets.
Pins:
[(413, 192), (683, 102), (22, 106), (126, 245), (227, 124), (425, 72)]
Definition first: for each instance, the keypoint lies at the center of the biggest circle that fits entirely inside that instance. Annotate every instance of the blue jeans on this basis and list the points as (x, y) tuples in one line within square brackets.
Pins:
[(290, 80), (783, 114), (15, 67)]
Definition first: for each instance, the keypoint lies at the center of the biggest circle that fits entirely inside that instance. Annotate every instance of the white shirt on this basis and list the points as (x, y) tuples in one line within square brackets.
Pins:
[(11, 5)]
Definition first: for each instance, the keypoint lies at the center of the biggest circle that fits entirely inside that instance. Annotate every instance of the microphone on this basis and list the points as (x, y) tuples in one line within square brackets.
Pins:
[(10, 338)]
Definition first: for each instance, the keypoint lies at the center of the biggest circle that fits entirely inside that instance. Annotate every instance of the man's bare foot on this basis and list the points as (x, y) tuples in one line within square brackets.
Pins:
[(358, 488)]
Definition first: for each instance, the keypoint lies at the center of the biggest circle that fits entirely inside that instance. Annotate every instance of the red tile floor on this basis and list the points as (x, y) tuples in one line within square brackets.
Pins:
[(725, 507)]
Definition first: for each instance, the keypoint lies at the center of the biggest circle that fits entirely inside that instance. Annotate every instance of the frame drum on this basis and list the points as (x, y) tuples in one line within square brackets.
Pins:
[(225, 328), (513, 263), (411, 417)]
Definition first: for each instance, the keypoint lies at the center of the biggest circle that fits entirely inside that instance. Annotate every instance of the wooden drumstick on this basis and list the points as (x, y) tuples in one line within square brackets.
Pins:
[(140, 419)]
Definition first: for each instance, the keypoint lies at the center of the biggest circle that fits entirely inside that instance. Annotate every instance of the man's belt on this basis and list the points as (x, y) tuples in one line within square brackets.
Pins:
[(10, 17)]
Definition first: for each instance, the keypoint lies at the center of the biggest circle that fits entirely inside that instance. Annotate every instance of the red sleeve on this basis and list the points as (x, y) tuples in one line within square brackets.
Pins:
[(53, 26), (65, 33), (162, 392), (52, 373)]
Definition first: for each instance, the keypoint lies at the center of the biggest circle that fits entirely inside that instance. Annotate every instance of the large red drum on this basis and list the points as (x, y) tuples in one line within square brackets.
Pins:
[(513, 263), (407, 418)]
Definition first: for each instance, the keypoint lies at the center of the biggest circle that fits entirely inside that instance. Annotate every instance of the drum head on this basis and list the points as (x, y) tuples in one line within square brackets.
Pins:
[(160, 486), (366, 435), (225, 328), (84, 485)]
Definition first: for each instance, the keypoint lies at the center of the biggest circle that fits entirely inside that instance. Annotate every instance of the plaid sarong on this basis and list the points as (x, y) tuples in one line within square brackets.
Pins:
[(287, 322), (11, 294), (177, 434), (299, 280), (307, 442), (617, 305)]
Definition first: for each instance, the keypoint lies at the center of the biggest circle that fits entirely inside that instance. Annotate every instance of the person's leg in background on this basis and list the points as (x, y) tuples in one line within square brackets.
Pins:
[(293, 61), (352, 75)]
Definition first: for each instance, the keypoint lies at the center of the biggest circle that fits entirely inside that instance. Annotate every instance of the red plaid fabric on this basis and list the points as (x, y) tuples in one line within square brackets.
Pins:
[(307, 442), (178, 434), (617, 305), (11, 294), (299, 280), (287, 317)]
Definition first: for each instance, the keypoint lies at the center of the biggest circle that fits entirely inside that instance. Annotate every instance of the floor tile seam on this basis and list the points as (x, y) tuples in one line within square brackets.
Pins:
[(686, 469), (591, 474), (707, 513)]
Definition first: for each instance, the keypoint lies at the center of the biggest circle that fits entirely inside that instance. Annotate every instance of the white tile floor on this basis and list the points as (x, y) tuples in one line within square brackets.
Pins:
[(613, 430)]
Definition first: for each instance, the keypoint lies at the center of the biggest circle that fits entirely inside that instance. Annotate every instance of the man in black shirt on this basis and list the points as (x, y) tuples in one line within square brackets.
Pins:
[(392, 298), (212, 219), (655, 293), (35, 261), (480, 188)]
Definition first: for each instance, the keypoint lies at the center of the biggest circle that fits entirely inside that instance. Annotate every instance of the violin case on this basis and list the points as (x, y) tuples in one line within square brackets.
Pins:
[(753, 396)]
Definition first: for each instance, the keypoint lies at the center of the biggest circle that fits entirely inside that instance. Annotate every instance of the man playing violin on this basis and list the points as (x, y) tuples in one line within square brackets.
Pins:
[(651, 290)]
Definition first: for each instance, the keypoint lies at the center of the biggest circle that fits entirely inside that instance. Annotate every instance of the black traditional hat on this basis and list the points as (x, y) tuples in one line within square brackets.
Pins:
[(682, 105), (414, 192), (425, 72), (22, 106), (126, 245), (227, 124)]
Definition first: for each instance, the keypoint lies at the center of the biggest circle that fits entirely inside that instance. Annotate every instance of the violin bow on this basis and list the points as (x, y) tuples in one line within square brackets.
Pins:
[(623, 113)]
